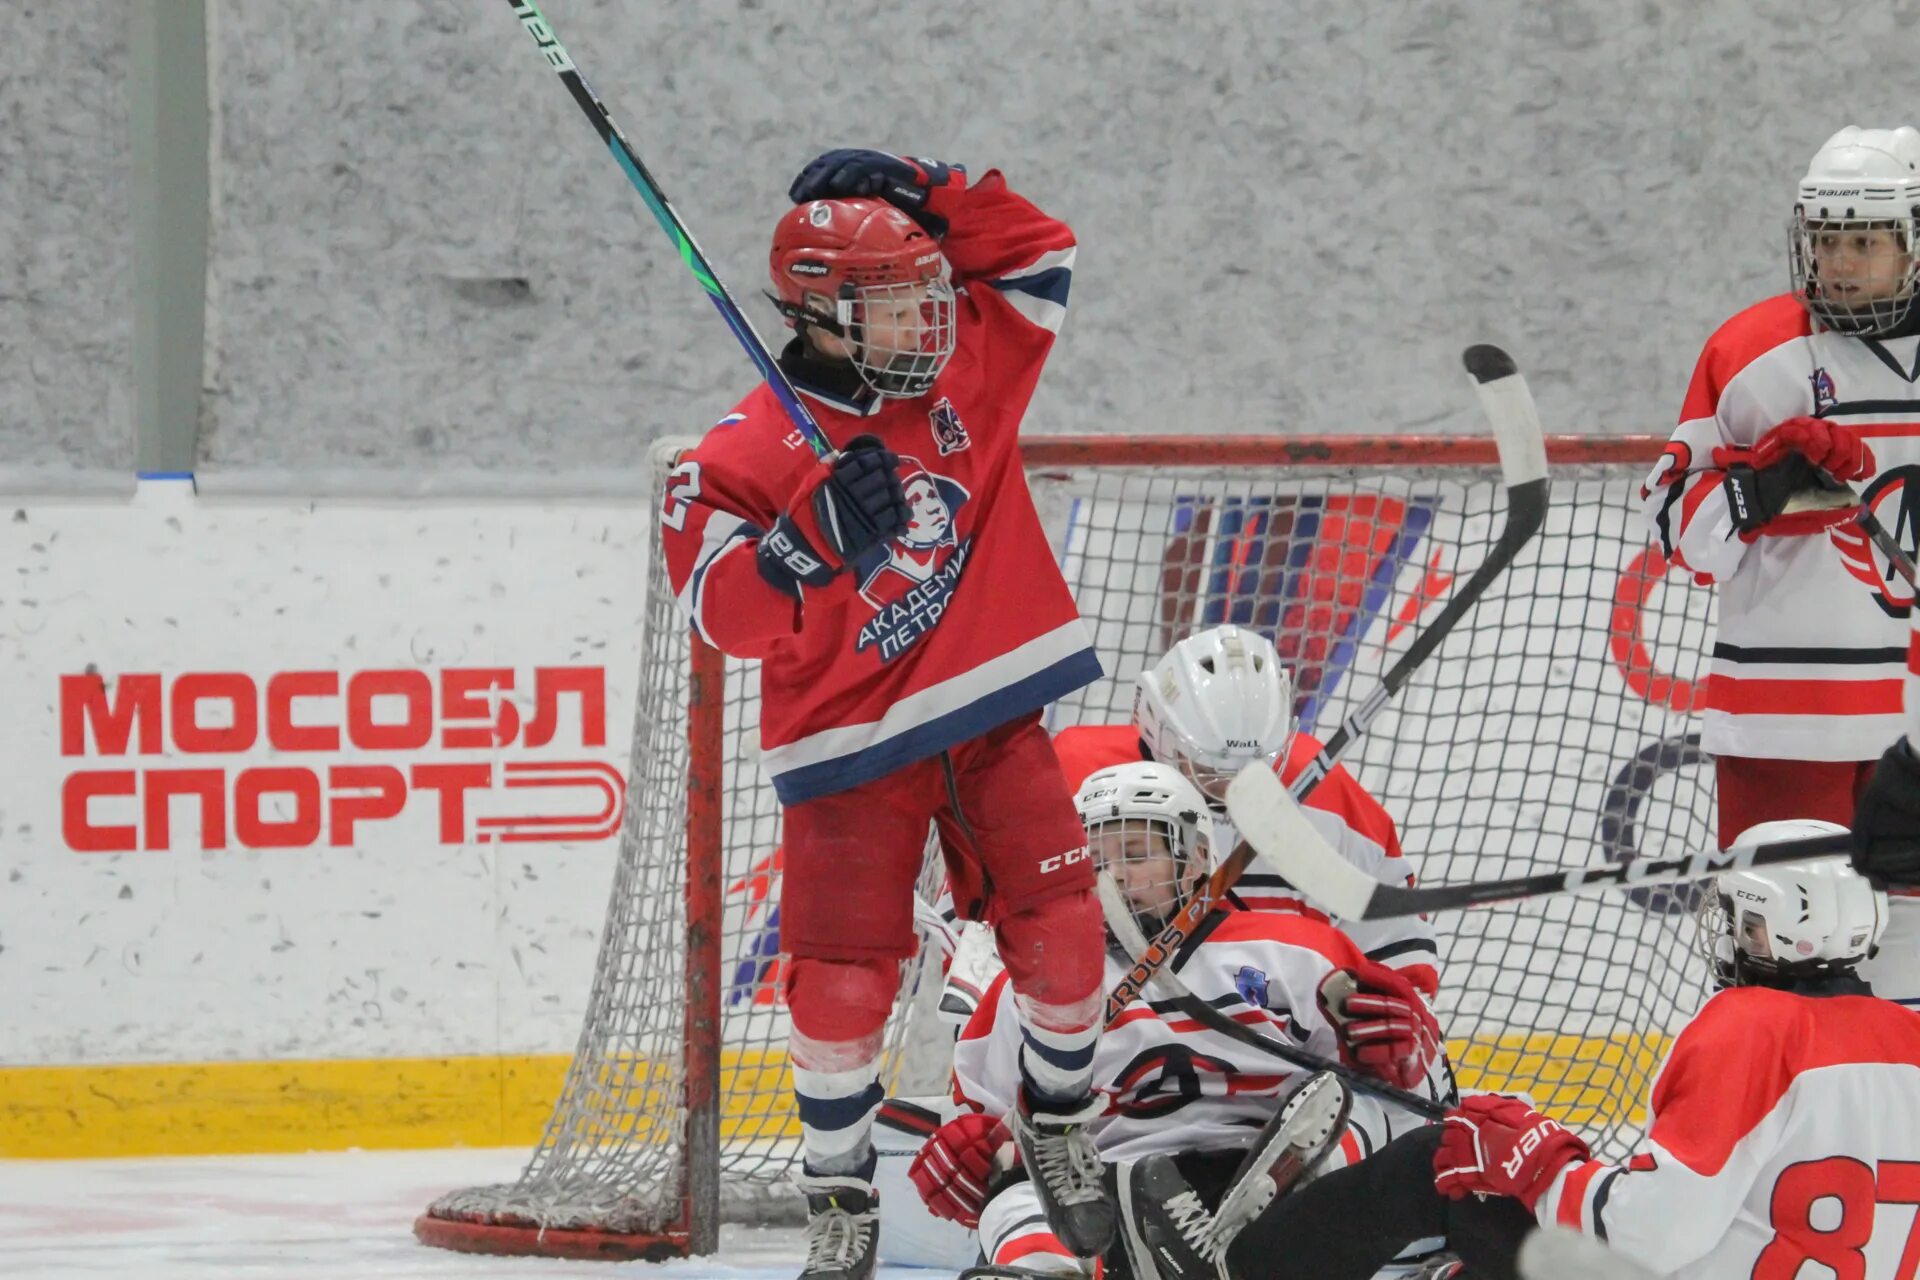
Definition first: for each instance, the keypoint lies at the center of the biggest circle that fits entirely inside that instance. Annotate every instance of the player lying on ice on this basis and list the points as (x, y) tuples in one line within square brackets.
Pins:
[(1783, 1130), (1214, 703), (1225, 1115), (911, 621)]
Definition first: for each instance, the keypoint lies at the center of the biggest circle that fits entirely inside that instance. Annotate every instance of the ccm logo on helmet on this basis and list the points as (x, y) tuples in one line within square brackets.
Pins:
[(1063, 860)]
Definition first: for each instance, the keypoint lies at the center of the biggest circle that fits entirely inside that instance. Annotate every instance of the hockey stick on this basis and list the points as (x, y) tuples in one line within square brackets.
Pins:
[(1275, 825), (656, 200), (1842, 494), (1133, 940), (1523, 463)]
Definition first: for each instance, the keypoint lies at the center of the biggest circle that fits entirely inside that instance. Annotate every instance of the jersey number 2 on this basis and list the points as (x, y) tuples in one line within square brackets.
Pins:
[(1856, 1188), (683, 486)]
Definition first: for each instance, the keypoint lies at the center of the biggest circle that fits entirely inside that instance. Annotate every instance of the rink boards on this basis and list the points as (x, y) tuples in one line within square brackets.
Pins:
[(420, 982)]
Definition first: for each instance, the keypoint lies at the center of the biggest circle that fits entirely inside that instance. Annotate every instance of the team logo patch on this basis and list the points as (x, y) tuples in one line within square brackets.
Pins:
[(1823, 396), (1251, 983), (908, 581), (1893, 497), (949, 433), (820, 214)]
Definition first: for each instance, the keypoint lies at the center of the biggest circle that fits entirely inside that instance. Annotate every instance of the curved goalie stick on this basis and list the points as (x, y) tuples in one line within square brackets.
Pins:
[(1517, 434), (1275, 825)]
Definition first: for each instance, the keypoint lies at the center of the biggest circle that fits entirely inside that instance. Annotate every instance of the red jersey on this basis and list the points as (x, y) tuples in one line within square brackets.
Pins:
[(963, 622), (1352, 821), (1811, 649), (1785, 1131)]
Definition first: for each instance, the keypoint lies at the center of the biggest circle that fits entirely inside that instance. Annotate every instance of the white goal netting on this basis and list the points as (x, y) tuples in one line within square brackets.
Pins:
[(1551, 730)]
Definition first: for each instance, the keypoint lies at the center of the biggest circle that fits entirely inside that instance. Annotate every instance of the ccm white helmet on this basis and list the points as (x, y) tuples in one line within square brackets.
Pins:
[(1149, 828), (1861, 182), (1798, 922), (1213, 704)]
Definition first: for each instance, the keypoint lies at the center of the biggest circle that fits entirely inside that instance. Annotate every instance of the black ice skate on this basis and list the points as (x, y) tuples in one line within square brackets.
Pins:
[(843, 1226), (1057, 1149), (1166, 1228), (1291, 1146)]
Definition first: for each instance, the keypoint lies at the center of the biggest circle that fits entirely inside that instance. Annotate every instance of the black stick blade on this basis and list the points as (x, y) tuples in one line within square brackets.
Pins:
[(1488, 363)]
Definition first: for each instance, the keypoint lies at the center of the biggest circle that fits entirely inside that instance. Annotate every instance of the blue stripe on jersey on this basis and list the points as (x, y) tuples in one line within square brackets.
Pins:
[(934, 736), (1051, 284), (741, 534)]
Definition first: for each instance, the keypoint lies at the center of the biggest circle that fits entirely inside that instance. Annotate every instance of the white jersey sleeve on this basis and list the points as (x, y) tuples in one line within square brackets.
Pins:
[(1784, 1130)]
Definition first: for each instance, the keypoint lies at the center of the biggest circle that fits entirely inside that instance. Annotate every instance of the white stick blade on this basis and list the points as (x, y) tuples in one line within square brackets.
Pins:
[(1271, 821), (1511, 413), (1555, 1253)]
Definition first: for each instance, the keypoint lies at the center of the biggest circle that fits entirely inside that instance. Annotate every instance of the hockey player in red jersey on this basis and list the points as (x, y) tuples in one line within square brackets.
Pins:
[(1792, 399), (1215, 702), (911, 622), (1783, 1128), (1231, 1116)]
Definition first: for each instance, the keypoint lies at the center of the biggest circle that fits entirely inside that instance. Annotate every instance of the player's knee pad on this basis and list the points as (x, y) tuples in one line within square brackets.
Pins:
[(1055, 953), (839, 1008)]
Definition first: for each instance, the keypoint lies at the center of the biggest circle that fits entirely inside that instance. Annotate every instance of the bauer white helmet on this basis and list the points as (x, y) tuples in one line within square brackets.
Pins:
[(1214, 703), (1860, 181), (1797, 922), (1149, 828)]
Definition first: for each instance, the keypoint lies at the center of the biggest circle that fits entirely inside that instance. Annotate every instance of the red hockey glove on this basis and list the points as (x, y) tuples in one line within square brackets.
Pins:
[(953, 1168), (1385, 1027), (1834, 447), (1501, 1146), (849, 504), (1758, 496)]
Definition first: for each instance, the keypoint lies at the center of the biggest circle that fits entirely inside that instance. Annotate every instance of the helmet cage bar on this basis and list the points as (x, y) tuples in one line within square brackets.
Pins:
[(1210, 779), (1155, 862), (895, 355), (1808, 235), (1739, 949)]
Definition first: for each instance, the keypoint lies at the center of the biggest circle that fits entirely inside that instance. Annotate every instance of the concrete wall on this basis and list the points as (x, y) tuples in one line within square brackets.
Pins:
[(65, 259), (1294, 215)]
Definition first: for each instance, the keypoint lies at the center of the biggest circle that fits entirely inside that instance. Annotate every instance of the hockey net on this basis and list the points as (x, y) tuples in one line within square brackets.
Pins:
[(1551, 730)]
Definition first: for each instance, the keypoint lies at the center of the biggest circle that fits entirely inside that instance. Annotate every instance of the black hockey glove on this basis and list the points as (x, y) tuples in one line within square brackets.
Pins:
[(1886, 822), (850, 504), (1758, 496), (906, 184)]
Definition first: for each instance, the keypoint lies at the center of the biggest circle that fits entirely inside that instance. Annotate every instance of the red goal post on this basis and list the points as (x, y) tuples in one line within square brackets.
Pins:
[(1553, 728)]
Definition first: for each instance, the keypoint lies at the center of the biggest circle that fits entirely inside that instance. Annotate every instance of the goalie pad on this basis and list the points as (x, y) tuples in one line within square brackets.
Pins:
[(1290, 1149)]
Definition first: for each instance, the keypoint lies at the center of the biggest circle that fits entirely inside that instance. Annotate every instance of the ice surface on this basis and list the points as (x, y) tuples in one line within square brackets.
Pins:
[(342, 1216)]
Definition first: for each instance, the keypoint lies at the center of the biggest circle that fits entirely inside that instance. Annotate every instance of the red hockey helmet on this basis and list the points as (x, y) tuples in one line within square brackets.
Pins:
[(863, 271)]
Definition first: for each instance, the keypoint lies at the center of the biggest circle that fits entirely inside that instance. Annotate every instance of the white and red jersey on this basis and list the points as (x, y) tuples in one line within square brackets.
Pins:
[(1352, 821), (1784, 1141), (1812, 642), (915, 647), (1170, 1084)]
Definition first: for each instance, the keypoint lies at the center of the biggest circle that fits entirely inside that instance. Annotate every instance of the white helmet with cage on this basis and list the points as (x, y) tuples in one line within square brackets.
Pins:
[(1214, 703), (1796, 922), (1149, 828), (1853, 240)]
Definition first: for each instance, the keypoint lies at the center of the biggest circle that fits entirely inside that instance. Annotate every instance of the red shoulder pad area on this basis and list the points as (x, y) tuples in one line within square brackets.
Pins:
[(1084, 748), (1736, 344), (1731, 1065), (1290, 930)]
